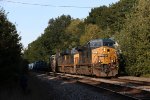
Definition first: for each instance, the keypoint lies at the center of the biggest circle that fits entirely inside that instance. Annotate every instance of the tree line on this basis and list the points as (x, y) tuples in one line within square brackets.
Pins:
[(127, 21), (12, 63)]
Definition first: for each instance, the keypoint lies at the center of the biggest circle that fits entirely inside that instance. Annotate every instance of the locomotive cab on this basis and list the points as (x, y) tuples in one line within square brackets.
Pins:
[(104, 57)]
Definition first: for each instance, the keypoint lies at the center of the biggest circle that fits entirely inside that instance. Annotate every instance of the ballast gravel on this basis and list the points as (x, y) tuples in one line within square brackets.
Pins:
[(59, 89)]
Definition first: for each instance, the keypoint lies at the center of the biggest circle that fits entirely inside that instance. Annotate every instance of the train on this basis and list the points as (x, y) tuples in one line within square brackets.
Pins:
[(98, 57), (38, 66)]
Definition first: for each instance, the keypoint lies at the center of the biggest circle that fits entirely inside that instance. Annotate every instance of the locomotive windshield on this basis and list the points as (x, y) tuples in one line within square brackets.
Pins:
[(95, 44), (101, 42), (110, 44)]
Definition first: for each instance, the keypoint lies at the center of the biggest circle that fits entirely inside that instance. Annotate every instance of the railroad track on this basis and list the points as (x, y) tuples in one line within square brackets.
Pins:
[(116, 86), (130, 93), (110, 91), (142, 85)]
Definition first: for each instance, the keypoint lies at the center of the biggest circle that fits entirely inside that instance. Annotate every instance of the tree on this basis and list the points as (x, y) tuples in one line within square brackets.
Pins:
[(112, 17), (52, 40), (91, 32), (73, 32), (135, 39), (10, 47)]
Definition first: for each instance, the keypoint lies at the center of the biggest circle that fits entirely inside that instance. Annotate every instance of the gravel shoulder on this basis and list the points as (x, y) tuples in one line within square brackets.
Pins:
[(34, 91), (44, 87), (70, 90), (135, 78)]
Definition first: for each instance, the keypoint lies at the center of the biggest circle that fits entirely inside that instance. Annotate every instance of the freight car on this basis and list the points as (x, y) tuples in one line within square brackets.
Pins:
[(97, 58), (38, 66)]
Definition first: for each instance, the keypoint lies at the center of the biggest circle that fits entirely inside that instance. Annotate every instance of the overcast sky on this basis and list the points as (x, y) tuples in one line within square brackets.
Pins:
[(31, 16)]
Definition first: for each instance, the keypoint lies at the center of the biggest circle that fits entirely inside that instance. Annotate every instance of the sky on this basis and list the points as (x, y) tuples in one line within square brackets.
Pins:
[(31, 16)]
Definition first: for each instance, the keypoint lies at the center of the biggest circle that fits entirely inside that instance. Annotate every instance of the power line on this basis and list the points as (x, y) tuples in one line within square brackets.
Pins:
[(46, 5)]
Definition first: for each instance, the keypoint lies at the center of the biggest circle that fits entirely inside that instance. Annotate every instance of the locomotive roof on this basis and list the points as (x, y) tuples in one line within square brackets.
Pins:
[(92, 44), (65, 52), (101, 42)]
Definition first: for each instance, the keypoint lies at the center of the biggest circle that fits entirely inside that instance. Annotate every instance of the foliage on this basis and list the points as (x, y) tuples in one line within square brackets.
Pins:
[(35, 51), (91, 32), (54, 33), (52, 40), (127, 20), (135, 38), (112, 17), (74, 32), (10, 47)]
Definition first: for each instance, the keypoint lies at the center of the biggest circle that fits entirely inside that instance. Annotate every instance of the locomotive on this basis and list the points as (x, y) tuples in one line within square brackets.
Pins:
[(97, 58)]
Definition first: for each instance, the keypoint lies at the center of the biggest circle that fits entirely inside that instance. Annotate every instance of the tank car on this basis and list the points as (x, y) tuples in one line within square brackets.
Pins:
[(40, 66)]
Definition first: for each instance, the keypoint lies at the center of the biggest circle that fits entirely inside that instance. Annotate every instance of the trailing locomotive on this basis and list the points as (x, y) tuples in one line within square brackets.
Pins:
[(98, 57)]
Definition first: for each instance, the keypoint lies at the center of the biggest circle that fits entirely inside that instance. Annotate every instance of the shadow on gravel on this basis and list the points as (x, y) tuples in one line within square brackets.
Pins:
[(34, 91), (62, 88)]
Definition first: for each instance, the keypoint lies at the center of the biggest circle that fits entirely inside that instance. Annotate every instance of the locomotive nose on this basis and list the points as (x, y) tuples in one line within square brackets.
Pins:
[(104, 55), (106, 69)]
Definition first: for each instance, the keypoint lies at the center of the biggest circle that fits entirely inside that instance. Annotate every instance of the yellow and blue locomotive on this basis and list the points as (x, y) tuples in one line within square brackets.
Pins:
[(98, 57)]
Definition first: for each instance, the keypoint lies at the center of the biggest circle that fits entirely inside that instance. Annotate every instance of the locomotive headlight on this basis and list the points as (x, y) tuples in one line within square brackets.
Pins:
[(104, 49)]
